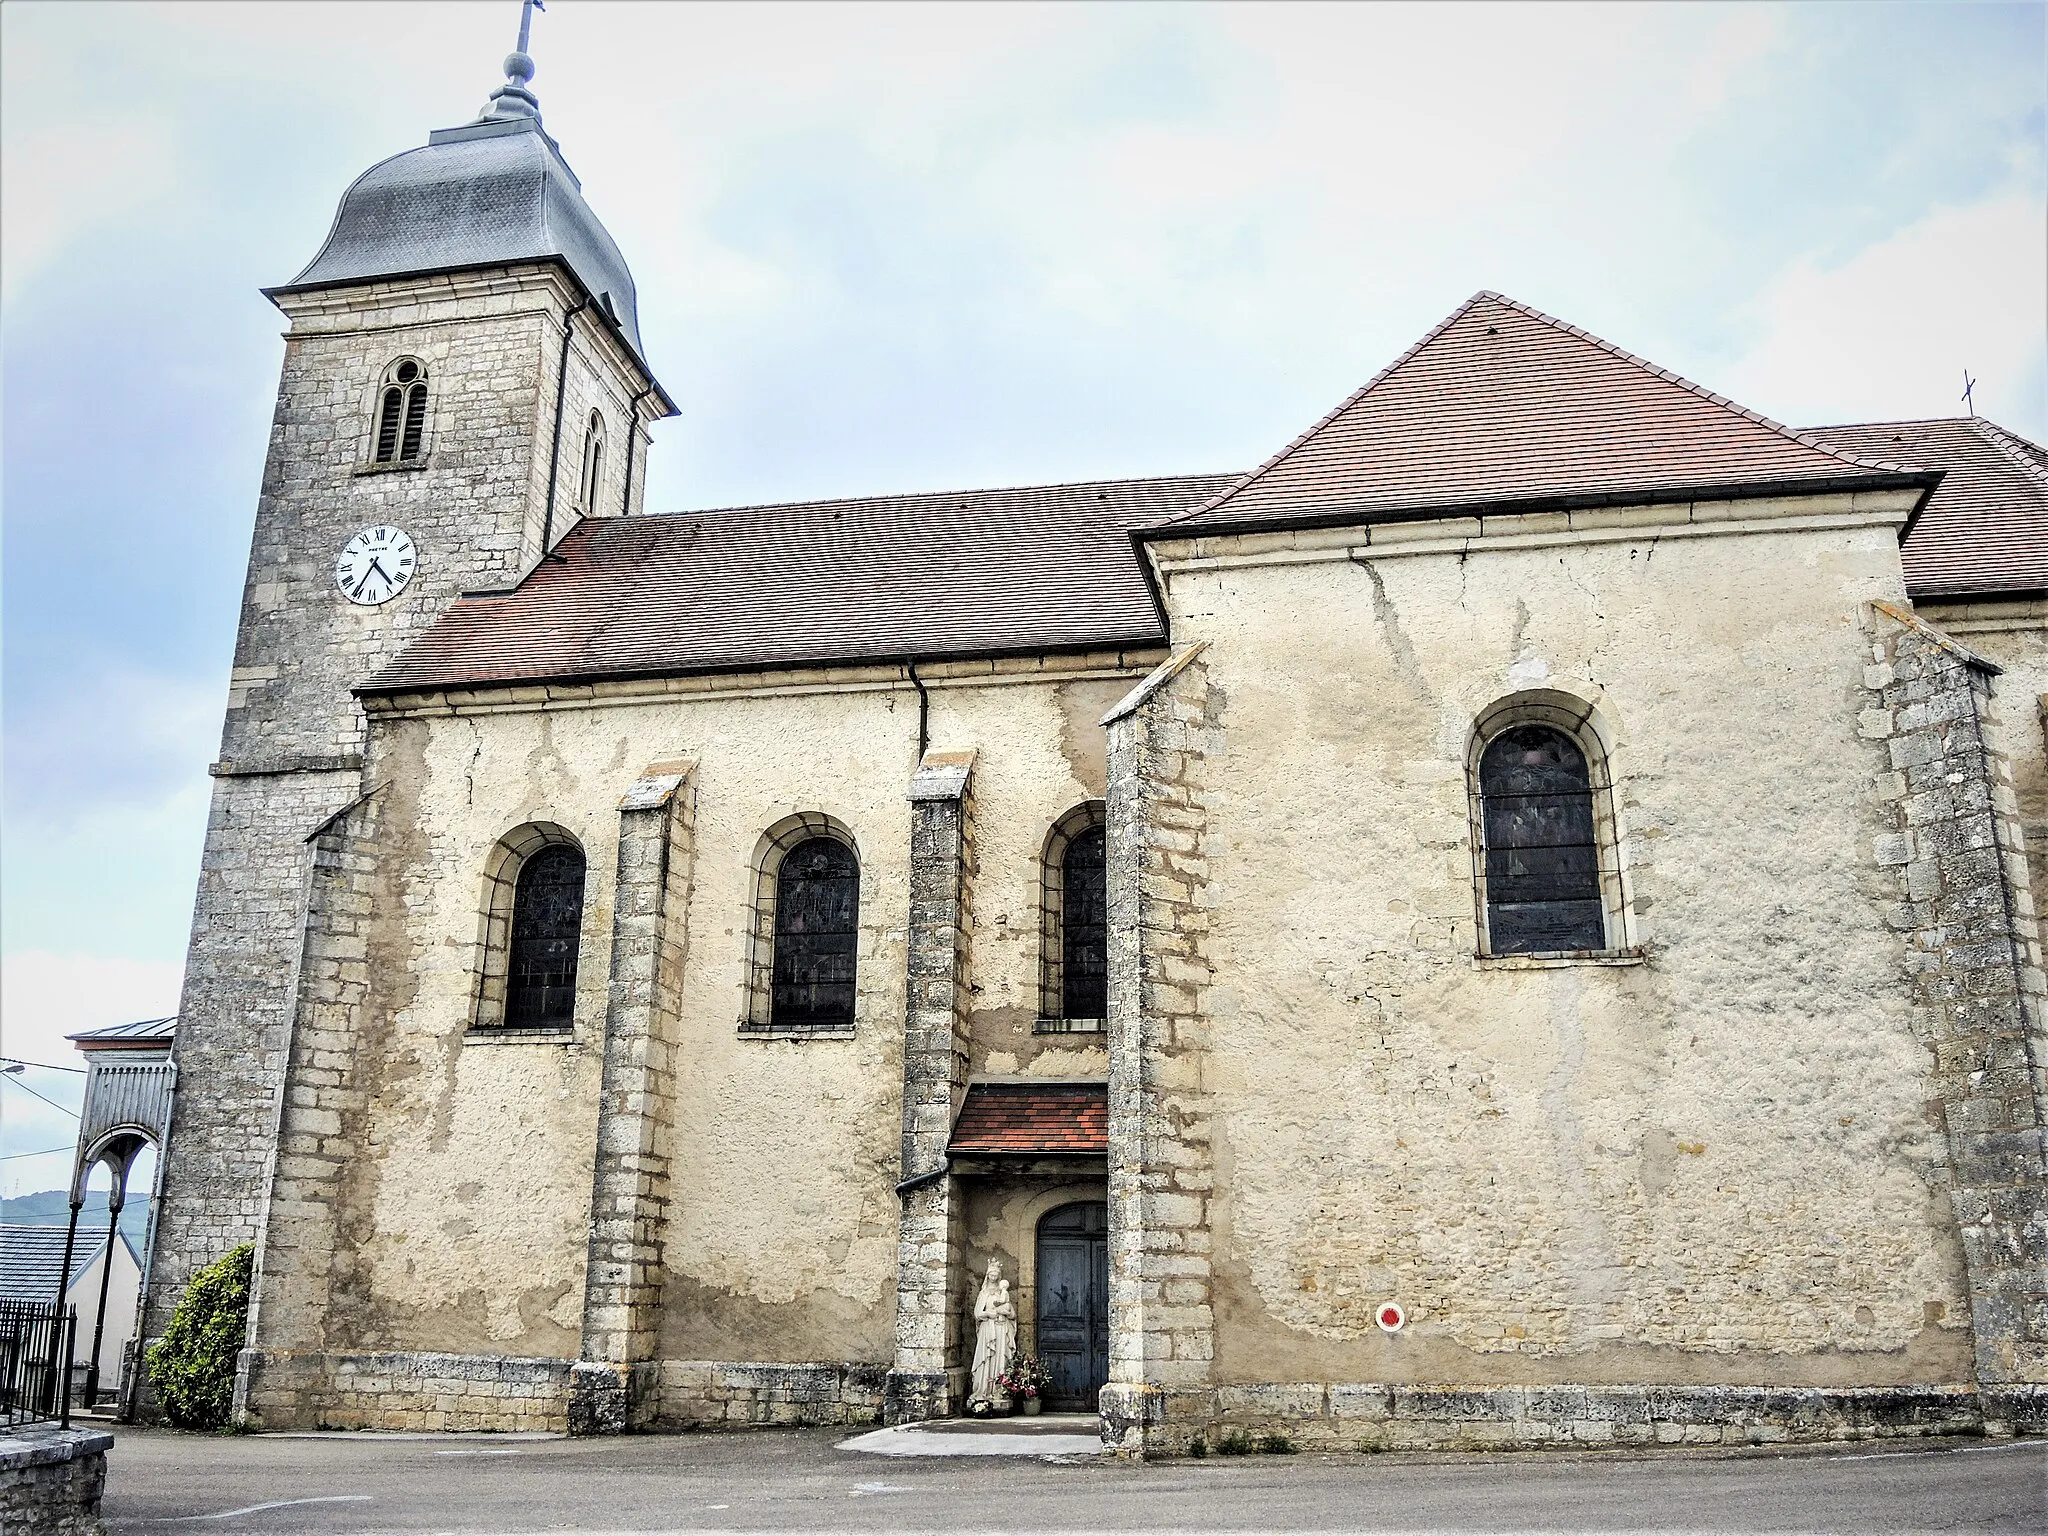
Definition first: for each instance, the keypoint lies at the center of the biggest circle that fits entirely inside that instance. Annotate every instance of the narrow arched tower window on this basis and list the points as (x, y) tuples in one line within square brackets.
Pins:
[(547, 926), (1541, 844), (593, 462), (817, 929), (402, 412)]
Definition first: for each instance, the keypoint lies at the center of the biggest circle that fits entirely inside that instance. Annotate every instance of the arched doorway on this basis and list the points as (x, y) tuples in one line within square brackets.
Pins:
[(1073, 1303)]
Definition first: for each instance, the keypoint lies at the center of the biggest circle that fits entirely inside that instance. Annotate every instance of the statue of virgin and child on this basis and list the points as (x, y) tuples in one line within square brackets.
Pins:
[(995, 1338)]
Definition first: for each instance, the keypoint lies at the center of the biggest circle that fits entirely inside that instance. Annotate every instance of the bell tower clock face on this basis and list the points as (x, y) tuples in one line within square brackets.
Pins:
[(375, 565)]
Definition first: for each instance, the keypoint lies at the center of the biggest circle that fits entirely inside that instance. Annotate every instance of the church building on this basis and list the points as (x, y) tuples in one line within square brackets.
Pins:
[(1508, 923)]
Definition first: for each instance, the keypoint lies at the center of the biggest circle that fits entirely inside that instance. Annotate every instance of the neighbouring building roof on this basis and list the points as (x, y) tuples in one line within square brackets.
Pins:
[(1503, 408), (1020, 571), (1033, 1118), (144, 1033), (1984, 532), (31, 1258)]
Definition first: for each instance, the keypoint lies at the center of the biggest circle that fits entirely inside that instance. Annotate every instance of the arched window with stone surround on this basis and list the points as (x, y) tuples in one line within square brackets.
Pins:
[(1546, 861), (1074, 923), (401, 425), (533, 931), (805, 939)]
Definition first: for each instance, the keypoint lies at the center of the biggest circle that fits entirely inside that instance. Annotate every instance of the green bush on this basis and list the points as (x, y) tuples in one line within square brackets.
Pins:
[(1236, 1443), (1276, 1445), (192, 1367)]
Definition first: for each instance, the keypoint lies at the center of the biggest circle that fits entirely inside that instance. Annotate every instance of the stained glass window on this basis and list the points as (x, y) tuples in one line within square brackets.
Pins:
[(1084, 928), (547, 924), (817, 926), (1542, 851)]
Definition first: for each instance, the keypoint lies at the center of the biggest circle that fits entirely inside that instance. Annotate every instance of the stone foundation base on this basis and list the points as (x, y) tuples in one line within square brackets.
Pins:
[(288, 1389), (305, 1389), (709, 1394), (1139, 1421), (51, 1480)]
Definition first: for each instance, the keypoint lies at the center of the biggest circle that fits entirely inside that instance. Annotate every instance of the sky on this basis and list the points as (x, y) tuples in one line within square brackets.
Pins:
[(895, 248)]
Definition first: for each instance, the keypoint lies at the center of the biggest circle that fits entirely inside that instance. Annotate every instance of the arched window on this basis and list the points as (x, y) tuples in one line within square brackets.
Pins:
[(402, 412), (532, 929), (1544, 830), (547, 924), (817, 930), (593, 463), (1074, 924)]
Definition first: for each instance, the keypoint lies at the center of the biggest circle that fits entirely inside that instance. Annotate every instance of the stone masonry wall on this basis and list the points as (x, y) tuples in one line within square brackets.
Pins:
[(293, 737), (305, 1251), (1161, 1319), (1973, 958), (51, 1480)]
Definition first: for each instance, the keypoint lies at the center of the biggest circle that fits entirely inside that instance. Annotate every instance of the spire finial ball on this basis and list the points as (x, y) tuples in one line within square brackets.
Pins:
[(518, 66)]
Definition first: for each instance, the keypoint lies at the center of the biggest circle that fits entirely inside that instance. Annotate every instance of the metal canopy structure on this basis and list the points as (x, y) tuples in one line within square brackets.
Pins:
[(129, 1076)]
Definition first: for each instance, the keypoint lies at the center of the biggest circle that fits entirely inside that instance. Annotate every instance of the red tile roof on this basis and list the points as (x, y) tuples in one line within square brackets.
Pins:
[(958, 573), (1502, 407), (1984, 532), (1033, 1118)]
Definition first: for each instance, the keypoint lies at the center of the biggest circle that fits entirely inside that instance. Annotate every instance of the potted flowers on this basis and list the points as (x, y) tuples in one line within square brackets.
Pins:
[(1026, 1381)]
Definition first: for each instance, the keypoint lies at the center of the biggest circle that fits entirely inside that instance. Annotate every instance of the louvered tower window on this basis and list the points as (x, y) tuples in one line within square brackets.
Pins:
[(547, 925), (402, 412), (817, 928), (1542, 847)]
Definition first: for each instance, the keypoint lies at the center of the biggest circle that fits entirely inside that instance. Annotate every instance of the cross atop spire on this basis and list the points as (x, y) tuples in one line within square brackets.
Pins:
[(513, 99)]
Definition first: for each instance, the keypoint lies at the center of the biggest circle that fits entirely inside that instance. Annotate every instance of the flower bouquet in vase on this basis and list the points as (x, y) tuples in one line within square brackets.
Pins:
[(1026, 1381)]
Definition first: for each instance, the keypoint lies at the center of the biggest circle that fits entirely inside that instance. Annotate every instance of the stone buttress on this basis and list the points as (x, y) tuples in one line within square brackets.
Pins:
[(630, 1189), (928, 1380)]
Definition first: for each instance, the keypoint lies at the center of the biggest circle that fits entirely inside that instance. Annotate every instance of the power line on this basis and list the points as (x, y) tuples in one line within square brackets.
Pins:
[(11, 1156), (43, 1066), (24, 1087)]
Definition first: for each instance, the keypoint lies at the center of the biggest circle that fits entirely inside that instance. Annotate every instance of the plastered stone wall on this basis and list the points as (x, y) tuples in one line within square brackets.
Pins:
[(469, 1209), (293, 737), (1711, 1163)]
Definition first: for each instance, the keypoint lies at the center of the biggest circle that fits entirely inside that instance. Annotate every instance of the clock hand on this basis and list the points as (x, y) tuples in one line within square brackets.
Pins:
[(377, 566)]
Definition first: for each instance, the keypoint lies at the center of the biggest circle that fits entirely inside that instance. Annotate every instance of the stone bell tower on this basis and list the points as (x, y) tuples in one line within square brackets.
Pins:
[(463, 380)]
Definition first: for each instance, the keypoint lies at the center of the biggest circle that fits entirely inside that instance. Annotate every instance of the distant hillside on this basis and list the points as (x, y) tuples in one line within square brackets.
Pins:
[(51, 1208)]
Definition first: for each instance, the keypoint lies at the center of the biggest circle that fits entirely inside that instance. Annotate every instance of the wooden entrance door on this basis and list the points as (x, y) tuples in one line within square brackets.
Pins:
[(1073, 1303)]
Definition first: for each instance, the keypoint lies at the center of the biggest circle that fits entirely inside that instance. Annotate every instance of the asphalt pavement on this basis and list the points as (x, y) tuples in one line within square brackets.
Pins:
[(162, 1482)]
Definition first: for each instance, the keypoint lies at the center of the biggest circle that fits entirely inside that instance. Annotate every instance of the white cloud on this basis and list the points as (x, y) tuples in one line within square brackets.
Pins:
[(1889, 331)]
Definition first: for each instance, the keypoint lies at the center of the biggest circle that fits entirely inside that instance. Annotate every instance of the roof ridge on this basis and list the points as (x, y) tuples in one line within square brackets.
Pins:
[(1804, 439), (2006, 445), (1902, 421), (1333, 413), (984, 490)]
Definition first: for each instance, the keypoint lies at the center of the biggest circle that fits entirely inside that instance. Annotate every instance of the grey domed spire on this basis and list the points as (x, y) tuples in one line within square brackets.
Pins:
[(513, 99), (492, 192)]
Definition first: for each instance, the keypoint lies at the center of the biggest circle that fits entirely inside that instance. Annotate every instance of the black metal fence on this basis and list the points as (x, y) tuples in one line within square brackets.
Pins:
[(37, 1340)]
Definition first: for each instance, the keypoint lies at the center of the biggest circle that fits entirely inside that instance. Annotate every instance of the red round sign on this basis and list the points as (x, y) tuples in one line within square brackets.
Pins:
[(1391, 1317)]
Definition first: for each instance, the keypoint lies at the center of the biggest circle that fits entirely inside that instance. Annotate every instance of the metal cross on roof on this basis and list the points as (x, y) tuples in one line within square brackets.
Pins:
[(1969, 388)]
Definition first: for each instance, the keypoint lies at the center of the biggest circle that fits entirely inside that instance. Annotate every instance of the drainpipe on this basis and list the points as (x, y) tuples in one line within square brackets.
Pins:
[(547, 527), (632, 436), (924, 709)]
